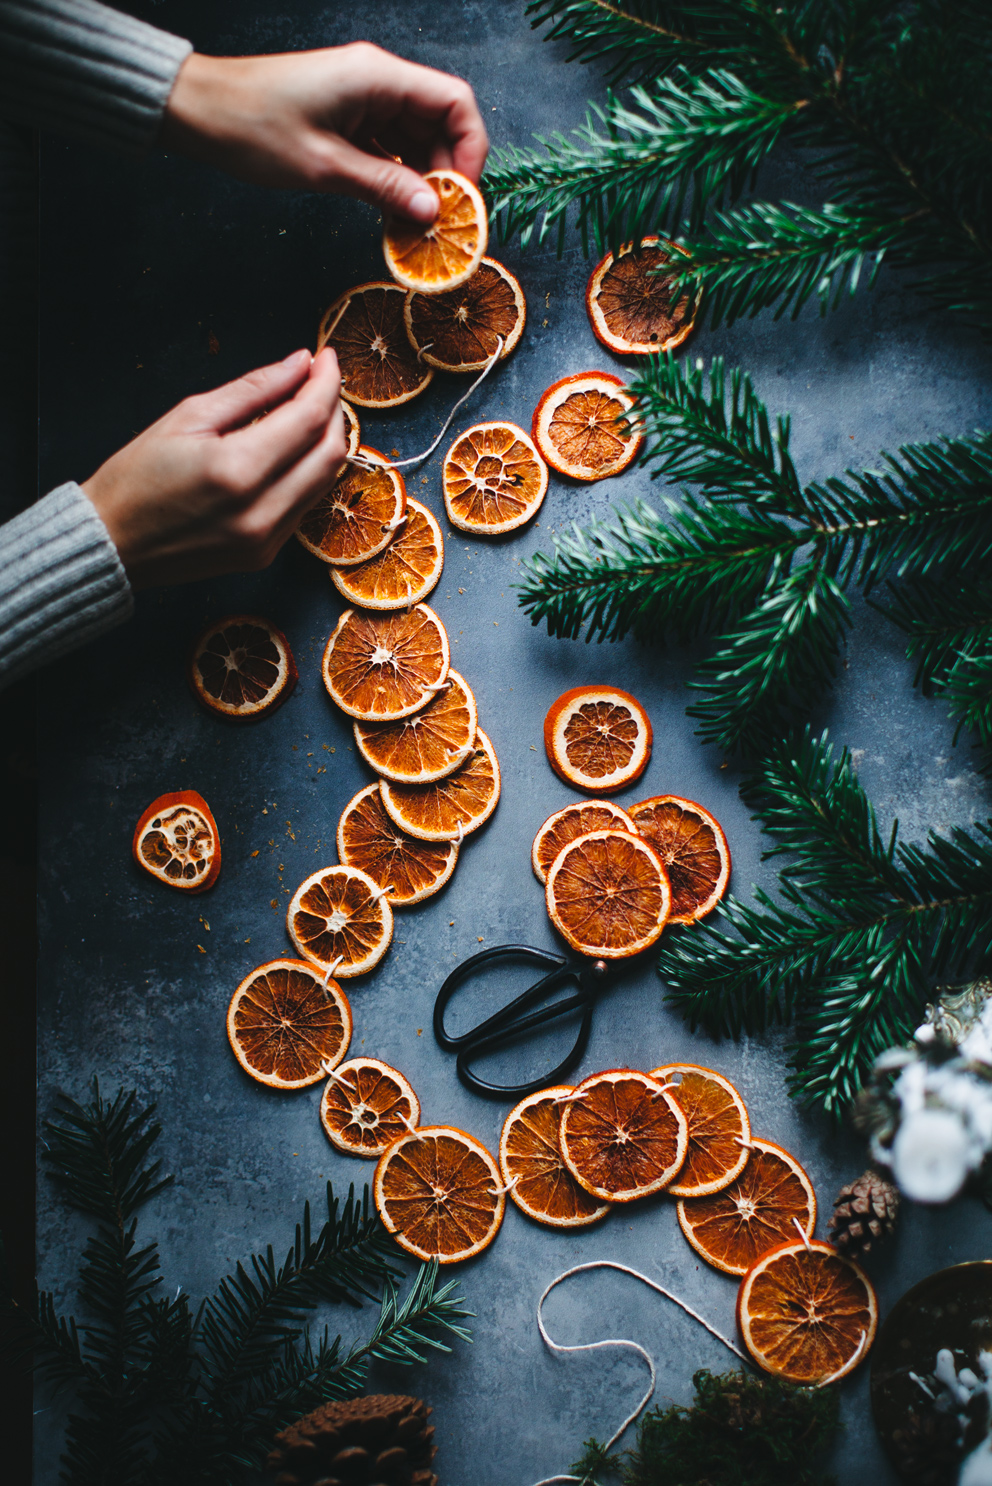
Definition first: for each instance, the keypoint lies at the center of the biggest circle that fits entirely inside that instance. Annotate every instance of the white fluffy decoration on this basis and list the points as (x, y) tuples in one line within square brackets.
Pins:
[(957, 1391), (930, 1155)]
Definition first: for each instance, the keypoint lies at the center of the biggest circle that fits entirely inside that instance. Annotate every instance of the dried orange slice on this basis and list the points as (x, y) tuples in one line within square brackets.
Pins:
[(409, 869), (378, 667), (379, 367), (404, 573), (598, 738), (359, 516), (431, 744), (719, 1130), (568, 824), (286, 1027), (352, 428), (530, 1159), (733, 1228), (438, 1192), (459, 330), (445, 254), (494, 479), (584, 428), (622, 1136), (366, 1106), (242, 667), (177, 841), (339, 919), (453, 807), (608, 894), (692, 846), (629, 300), (807, 1313)]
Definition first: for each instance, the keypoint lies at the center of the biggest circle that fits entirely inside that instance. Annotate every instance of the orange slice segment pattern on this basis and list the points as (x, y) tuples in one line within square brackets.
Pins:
[(379, 367), (448, 252), (431, 744), (459, 330), (569, 824), (410, 870), (598, 738), (242, 667), (530, 1158), (339, 917), (379, 667), (622, 1136), (286, 1027), (694, 849), (176, 840), (733, 1228), (494, 479), (630, 303), (583, 426), (607, 893), (719, 1130), (359, 516), (454, 806), (366, 1106), (404, 573), (438, 1191)]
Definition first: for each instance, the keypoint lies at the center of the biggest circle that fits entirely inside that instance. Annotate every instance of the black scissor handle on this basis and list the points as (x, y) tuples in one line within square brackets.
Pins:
[(556, 964), (508, 1031)]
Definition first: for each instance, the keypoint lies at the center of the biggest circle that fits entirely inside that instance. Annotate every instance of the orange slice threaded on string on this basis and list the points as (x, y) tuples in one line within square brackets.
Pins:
[(360, 516), (285, 1026), (608, 894), (367, 1105), (622, 1136), (365, 328), (494, 479), (598, 738), (431, 744), (630, 303), (734, 1227), (719, 1129), (530, 1158), (352, 428), (584, 426), (438, 1192), (691, 843), (404, 573), (338, 917), (807, 1313), (176, 841), (379, 667), (459, 330), (411, 870), (571, 822), (446, 253), (242, 668), (453, 807)]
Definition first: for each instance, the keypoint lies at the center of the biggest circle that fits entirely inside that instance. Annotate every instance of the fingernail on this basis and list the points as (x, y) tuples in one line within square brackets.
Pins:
[(293, 356), (424, 206)]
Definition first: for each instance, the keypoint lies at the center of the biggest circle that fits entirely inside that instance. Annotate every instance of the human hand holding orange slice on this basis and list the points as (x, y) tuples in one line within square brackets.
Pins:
[(447, 252)]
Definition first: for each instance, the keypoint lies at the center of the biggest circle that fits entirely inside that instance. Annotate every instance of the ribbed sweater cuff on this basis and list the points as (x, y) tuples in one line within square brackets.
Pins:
[(76, 67), (61, 581)]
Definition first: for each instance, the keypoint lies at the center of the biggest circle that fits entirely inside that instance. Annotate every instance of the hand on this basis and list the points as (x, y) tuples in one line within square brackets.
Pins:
[(324, 121), (206, 490)]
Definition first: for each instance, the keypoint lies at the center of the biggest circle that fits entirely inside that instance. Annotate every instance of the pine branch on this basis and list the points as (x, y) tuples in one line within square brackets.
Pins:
[(969, 690), (97, 1156), (944, 621), (643, 37)]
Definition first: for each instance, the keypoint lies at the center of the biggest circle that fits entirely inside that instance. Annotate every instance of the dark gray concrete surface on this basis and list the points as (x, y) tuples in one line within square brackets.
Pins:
[(141, 264)]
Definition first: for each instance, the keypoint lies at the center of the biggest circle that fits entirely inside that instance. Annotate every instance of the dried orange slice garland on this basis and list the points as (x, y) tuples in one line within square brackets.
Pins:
[(494, 479), (359, 516), (608, 895), (691, 843), (409, 870), (242, 667), (431, 744), (176, 841), (583, 425), (453, 807), (569, 824), (403, 574), (622, 1135), (719, 1129), (733, 1228), (379, 367), (379, 667), (598, 738), (438, 1192), (629, 300), (352, 428), (807, 1313), (531, 1162), (367, 1105), (460, 330), (286, 1027), (448, 252), (339, 919)]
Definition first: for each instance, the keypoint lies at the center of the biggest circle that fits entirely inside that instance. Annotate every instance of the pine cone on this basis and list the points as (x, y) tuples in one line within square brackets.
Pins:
[(864, 1212), (381, 1440)]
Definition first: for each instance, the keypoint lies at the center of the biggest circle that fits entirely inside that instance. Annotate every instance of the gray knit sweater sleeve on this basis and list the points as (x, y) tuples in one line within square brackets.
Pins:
[(61, 581), (76, 67)]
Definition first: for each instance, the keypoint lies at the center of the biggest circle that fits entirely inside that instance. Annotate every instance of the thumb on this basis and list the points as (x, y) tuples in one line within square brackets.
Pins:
[(236, 403), (395, 189)]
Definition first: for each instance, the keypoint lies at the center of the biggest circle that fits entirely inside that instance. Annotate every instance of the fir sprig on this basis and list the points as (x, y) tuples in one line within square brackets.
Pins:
[(949, 625)]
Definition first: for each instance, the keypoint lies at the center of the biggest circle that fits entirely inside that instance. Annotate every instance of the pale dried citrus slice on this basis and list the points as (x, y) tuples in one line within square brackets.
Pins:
[(379, 367), (608, 894), (359, 516), (286, 1027), (352, 428), (448, 252), (242, 667), (630, 303), (404, 573), (438, 1191), (339, 919), (568, 824), (431, 744), (691, 843), (493, 478), (409, 869), (622, 1136), (366, 1106), (460, 330), (452, 807), (807, 1313), (530, 1159), (719, 1130), (598, 738), (177, 841), (733, 1228), (584, 428), (379, 667)]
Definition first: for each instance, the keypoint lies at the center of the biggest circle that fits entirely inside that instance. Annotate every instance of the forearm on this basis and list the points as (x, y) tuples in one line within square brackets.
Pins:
[(77, 67), (61, 582)]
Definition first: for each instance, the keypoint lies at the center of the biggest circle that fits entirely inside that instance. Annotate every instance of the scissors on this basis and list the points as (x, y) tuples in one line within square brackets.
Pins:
[(588, 976)]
